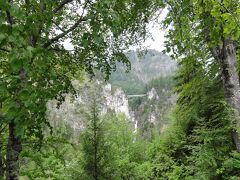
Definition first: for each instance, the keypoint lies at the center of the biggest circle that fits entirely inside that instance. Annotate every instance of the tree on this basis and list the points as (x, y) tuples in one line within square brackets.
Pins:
[(35, 67), (94, 145), (209, 32), (55, 160), (197, 141), (1, 156), (198, 144)]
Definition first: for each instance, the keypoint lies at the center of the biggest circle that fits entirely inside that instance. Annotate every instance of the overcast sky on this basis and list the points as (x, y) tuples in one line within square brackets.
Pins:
[(156, 42)]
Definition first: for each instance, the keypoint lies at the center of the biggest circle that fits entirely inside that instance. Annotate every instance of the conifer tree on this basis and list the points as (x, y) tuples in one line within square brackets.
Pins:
[(208, 31)]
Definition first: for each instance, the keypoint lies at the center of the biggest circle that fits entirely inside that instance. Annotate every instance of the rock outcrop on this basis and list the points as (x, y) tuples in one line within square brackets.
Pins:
[(149, 77), (70, 113)]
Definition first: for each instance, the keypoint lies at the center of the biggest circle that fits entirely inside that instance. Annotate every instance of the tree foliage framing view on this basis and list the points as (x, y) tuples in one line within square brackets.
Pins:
[(35, 67), (202, 138)]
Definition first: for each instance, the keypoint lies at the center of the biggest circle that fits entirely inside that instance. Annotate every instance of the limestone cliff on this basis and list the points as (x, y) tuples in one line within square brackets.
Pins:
[(150, 77), (70, 112)]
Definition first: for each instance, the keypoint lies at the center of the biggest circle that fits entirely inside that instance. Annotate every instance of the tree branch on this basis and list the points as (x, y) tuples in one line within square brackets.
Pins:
[(72, 28), (9, 17), (2, 128), (61, 5), (4, 49), (58, 26), (64, 33)]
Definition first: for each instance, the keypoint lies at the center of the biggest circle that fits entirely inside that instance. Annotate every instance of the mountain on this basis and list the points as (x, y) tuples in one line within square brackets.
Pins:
[(145, 66), (72, 112), (144, 95), (149, 85)]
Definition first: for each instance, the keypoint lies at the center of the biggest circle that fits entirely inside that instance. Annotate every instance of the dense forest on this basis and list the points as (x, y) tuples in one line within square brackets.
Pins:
[(77, 103)]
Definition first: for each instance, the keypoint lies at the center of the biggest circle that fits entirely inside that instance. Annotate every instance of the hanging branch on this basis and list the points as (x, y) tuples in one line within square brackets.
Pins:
[(61, 5), (71, 29)]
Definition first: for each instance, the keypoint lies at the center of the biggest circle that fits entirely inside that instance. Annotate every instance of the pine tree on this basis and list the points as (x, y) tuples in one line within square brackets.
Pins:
[(96, 150), (209, 32)]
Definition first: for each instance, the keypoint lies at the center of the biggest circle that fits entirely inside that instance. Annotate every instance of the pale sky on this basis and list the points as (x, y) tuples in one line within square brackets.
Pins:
[(156, 42)]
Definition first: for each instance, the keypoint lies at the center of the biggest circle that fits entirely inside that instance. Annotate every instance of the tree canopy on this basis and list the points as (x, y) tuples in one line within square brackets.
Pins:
[(35, 67), (202, 137)]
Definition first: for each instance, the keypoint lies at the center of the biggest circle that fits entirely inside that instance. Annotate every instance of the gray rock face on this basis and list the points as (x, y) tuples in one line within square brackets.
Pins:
[(113, 96), (149, 114), (152, 94), (66, 114), (116, 100), (152, 112), (71, 110)]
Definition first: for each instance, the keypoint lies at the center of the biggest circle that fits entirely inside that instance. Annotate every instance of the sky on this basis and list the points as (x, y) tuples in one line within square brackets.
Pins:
[(157, 39), (155, 42)]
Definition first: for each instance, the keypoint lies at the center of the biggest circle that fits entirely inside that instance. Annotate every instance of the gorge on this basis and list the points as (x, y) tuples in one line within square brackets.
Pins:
[(151, 74)]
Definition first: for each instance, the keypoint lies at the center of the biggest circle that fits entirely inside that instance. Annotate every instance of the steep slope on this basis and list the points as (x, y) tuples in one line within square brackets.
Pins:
[(145, 66), (151, 76), (72, 112)]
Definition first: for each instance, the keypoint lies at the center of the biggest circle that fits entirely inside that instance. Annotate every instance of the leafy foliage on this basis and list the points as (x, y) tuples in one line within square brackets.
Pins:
[(35, 67), (197, 142)]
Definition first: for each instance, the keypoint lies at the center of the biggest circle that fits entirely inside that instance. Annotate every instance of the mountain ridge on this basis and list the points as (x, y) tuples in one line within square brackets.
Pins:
[(145, 66)]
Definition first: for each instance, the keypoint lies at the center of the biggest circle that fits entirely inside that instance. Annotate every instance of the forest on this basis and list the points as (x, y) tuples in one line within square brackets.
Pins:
[(82, 98)]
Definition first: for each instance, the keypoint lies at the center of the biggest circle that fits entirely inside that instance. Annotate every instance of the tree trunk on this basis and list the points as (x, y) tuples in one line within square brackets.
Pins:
[(13, 152), (1, 159), (95, 129), (228, 63)]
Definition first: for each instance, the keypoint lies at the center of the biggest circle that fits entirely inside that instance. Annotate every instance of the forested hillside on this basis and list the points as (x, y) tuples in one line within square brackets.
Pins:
[(147, 112), (77, 103), (152, 78), (145, 66)]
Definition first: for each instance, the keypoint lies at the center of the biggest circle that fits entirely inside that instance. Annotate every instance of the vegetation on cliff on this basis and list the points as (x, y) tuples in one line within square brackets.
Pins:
[(201, 136)]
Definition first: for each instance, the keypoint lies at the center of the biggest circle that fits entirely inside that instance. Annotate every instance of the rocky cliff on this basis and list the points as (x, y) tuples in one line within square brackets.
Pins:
[(71, 111), (150, 76)]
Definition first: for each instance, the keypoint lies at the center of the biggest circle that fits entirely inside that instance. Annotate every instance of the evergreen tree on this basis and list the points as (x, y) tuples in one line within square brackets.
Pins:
[(197, 142), (208, 31), (94, 145)]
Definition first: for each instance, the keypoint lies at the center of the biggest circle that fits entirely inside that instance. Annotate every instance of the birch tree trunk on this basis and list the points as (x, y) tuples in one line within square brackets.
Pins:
[(228, 62), (1, 159)]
